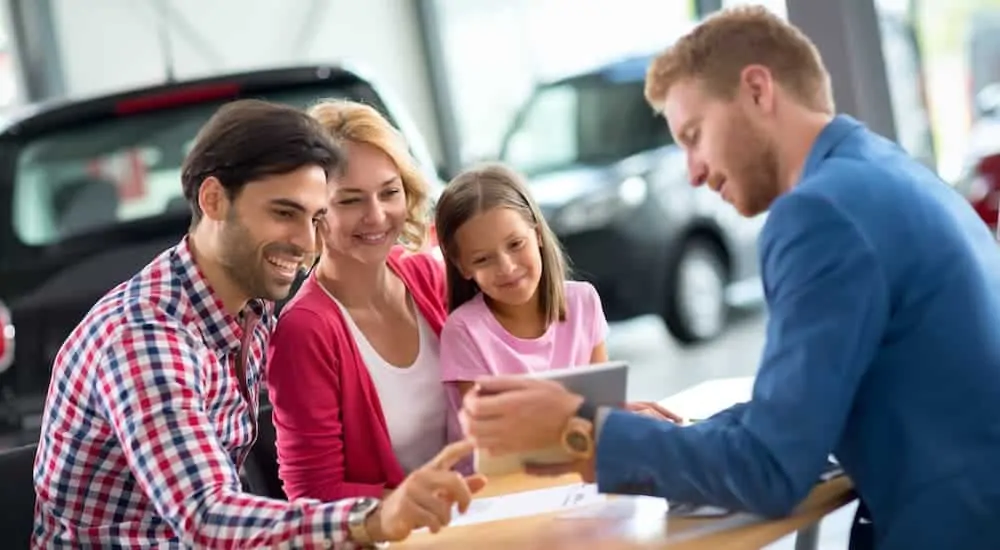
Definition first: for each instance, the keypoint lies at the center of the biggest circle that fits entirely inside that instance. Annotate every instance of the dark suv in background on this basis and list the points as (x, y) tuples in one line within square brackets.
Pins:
[(90, 192), (615, 189)]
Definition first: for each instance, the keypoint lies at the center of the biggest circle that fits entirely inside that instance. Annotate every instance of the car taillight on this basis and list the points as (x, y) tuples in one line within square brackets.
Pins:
[(980, 187), (6, 339)]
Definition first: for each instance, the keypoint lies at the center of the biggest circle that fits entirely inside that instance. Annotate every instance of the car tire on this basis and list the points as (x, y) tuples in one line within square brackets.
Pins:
[(696, 310)]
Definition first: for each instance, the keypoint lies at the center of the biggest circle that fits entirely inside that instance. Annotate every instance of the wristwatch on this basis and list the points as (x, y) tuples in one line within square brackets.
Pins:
[(578, 439), (357, 517)]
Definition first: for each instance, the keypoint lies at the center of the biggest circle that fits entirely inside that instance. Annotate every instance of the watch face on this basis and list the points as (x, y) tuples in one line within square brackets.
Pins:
[(363, 505), (577, 442)]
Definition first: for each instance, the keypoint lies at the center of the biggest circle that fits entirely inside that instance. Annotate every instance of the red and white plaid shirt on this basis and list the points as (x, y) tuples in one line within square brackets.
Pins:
[(145, 427)]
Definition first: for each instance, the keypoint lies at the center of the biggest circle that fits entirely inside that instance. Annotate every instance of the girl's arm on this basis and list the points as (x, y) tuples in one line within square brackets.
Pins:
[(600, 354), (598, 326)]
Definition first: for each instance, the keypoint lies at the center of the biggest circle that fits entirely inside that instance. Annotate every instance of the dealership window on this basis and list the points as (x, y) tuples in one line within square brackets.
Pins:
[(496, 53)]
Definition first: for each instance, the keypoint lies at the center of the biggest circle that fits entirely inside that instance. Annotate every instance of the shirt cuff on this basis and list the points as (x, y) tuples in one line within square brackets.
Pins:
[(333, 531), (599, 418)]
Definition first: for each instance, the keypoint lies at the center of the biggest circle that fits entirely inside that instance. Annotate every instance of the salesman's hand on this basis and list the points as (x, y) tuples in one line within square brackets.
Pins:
[(511, 414), (654, 410), (426, 496)]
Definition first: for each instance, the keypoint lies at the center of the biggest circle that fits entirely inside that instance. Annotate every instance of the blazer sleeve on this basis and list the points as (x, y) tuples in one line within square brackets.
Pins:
[(304, 386), (828, 306)]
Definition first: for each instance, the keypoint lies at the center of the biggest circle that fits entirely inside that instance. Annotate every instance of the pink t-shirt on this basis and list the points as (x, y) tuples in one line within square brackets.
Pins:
[(475, 344)]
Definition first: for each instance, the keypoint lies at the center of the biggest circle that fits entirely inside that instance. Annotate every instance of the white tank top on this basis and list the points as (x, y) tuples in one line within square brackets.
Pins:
[(413, 398)]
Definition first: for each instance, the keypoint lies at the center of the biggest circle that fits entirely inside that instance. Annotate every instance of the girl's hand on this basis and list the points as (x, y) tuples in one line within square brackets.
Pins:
[(654, 410)]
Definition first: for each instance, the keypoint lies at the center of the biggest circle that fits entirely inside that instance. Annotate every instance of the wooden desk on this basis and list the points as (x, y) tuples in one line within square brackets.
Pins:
[(641, 524), (635, 524)]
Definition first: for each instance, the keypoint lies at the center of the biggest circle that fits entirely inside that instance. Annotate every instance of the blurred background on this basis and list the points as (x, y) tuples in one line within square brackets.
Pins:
[(100, 99)]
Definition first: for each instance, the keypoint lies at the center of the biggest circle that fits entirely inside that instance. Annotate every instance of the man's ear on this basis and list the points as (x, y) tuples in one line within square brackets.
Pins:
[(212, 199), (758, 82)]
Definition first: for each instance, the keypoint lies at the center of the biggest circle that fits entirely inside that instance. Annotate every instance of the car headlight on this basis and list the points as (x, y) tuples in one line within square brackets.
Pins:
[(599, 209)]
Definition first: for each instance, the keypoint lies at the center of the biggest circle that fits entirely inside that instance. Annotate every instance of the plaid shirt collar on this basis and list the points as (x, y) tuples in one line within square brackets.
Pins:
[(220, 330)]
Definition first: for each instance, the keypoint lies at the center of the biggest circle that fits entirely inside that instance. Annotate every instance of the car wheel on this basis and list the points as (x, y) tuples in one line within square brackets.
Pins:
[(696, 309)]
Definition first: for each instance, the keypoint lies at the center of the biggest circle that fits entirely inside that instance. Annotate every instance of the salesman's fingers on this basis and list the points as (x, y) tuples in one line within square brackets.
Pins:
[(667, 413), (451, 455), (500, 405), (500, 384), (650, 408)]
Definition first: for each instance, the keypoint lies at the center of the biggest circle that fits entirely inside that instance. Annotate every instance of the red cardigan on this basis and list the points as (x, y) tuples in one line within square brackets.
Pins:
[(332, 439)]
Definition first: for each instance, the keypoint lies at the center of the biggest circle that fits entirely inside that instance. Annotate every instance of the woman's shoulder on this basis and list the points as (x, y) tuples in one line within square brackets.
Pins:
[(311, 307), (419, 265), (420, 261)]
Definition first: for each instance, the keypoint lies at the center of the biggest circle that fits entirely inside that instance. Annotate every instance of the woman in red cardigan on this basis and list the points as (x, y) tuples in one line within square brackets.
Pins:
[(353, 371)]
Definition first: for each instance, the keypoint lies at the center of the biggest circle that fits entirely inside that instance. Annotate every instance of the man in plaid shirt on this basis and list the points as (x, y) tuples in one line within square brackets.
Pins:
[(153, 400)]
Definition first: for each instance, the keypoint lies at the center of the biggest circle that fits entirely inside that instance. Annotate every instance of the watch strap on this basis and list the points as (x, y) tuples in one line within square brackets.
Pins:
[(357, 519), (587, 411)]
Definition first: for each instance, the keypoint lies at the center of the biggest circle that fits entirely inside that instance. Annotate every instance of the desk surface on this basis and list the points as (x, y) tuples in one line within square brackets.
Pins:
[(635, 524)]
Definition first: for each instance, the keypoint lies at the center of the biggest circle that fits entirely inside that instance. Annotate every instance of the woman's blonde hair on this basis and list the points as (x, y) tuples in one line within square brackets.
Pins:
[(352, 122), (483, 188)]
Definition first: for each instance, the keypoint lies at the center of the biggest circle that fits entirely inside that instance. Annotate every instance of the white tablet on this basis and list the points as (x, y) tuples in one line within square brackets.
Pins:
[(603, 384)]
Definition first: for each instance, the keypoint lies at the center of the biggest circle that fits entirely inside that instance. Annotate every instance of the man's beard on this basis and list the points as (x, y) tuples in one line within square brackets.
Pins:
[(756, 168), (243, 261)]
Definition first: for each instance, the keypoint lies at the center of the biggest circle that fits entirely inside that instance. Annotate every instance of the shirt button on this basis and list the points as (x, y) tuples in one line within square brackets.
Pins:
[(327, 544)]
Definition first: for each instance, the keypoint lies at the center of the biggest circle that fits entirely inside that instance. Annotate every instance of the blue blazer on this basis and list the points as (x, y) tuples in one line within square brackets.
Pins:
[(883, 348)]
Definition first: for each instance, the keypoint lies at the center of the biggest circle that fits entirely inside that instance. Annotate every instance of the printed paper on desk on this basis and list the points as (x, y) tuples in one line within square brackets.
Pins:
[(620, 506), (527, 503)]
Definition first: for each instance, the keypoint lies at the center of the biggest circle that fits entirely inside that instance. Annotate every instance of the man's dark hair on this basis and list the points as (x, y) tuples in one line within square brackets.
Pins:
[(249, 139)]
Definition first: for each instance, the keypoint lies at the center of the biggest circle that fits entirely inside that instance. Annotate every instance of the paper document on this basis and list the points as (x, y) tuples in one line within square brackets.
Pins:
[(528, 503)]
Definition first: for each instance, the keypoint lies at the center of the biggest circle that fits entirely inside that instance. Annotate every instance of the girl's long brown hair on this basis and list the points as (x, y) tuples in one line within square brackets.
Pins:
[(484, 188)]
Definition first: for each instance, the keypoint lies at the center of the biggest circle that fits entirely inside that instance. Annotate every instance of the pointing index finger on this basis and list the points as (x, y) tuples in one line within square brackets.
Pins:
[(450, 455)]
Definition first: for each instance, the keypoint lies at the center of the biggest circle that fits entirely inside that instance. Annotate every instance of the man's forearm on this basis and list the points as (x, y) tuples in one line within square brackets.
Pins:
[(713, 464)]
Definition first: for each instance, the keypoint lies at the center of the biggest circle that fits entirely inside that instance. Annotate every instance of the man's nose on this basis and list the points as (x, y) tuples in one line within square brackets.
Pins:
[(307, 237), (697, 171)]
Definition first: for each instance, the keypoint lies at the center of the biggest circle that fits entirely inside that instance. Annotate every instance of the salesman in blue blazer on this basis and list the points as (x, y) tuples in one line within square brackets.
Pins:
[(883, 334)]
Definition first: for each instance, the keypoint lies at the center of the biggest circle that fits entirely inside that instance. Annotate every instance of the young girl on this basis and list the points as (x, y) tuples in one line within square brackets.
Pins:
[(512, 311)]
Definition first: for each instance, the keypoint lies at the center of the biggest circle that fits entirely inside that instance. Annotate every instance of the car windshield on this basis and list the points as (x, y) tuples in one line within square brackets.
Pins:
[(584, 122), (90, 177)]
